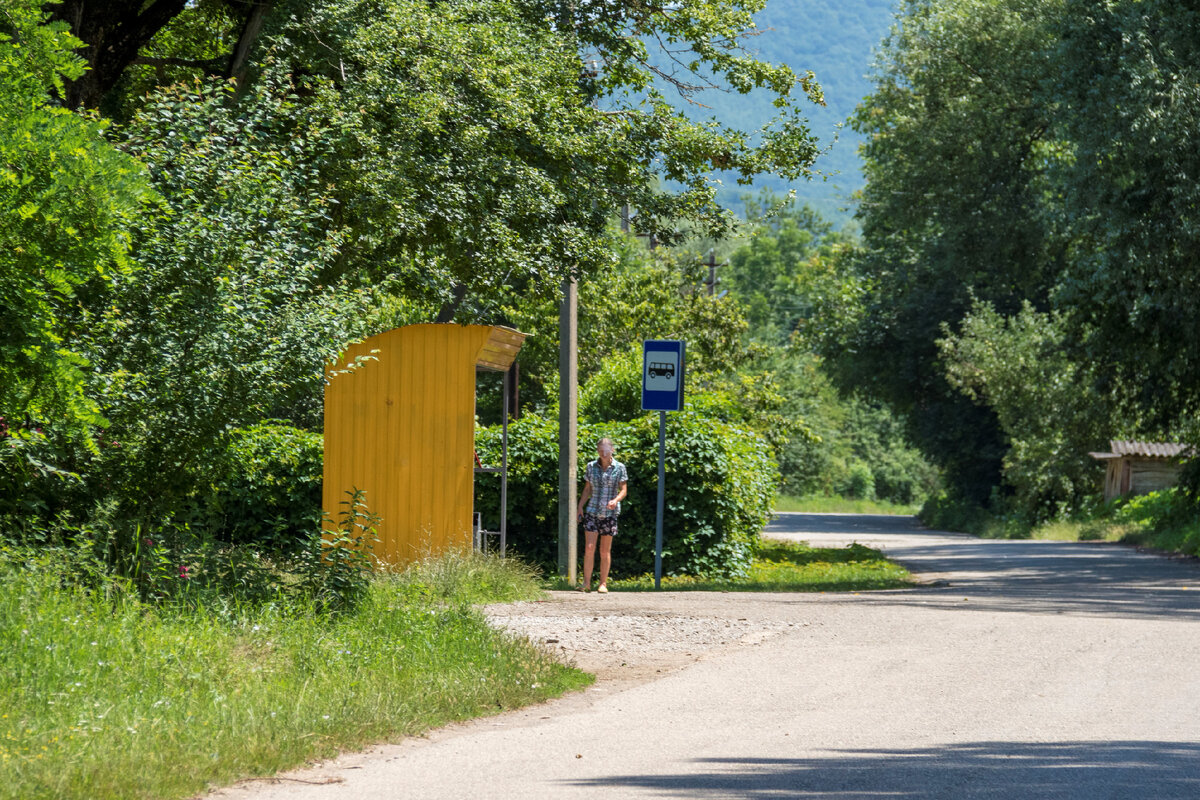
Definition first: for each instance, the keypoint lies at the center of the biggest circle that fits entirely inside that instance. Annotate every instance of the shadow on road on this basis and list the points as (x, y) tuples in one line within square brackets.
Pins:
[(1068, 770), (1017, 575)]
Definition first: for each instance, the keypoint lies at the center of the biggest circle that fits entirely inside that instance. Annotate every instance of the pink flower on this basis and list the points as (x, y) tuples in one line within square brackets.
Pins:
[(183, 572)]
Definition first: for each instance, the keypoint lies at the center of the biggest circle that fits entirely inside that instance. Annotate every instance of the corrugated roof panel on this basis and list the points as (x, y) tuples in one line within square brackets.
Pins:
[(1148, 449), (501, 349)]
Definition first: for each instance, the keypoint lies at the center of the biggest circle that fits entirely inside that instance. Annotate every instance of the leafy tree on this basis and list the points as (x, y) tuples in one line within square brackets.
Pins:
[(1127, 76), (960, 141), (463, 155), (518, 59), (232, 313), (643, 295), (686, 48), (113, 34), (768, 275), (1045, 403), (67, 198), (791, 279)]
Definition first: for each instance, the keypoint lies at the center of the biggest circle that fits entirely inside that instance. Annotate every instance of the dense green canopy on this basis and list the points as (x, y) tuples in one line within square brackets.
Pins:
[(1033, 160), (254, 185)]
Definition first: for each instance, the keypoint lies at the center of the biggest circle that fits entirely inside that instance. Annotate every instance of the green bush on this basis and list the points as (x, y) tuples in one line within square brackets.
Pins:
[(860, 482), (1156, 509), (615, 391), (720, 483), (947, 513), (267, 487)]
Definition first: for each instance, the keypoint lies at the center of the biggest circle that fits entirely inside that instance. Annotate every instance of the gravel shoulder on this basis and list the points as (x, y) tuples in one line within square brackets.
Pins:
[(626, 638)]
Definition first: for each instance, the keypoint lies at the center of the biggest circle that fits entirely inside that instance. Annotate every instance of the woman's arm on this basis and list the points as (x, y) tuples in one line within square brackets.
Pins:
[(583, 498), (620, 495)]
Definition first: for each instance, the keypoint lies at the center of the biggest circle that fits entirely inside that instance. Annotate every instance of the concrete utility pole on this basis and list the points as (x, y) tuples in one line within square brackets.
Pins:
[(568, 426)]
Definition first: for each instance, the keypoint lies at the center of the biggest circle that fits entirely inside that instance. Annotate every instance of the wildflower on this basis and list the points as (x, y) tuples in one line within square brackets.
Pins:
[(183, 572)]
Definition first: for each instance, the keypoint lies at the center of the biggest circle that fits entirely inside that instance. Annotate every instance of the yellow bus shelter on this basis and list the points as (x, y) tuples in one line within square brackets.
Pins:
[(400, 425)]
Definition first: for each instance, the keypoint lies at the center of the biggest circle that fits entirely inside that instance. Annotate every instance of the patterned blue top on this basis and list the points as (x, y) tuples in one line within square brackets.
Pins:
[(606, 483)]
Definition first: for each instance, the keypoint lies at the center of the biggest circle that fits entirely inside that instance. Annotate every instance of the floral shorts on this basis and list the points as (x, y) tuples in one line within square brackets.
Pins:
[(605, 526)]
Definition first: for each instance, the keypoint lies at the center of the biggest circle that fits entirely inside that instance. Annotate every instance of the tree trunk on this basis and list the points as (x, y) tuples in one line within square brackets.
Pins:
[(113, 31), (239, 61), (451, 306)]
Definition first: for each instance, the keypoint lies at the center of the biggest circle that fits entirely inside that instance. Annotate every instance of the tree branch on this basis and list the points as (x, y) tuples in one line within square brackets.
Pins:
[(212, 65)]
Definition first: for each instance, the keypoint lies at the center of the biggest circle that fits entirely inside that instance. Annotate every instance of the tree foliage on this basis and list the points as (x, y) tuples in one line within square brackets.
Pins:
[(237, 302), (67, 199), (1032, 187), (1127, 80), (959, 140), (1044, 401), (326, 169), (774, 275)]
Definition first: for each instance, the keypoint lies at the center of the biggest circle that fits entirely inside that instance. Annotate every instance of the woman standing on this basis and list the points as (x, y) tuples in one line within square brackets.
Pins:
[(603, 491)]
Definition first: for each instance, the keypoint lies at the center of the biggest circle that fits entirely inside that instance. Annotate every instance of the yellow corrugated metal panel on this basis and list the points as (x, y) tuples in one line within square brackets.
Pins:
[(402, 428)]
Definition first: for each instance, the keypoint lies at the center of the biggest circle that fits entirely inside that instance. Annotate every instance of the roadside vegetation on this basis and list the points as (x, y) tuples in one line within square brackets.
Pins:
[(199, 208), (1165, 520), (104, 695), (780, 566), (825, 504)]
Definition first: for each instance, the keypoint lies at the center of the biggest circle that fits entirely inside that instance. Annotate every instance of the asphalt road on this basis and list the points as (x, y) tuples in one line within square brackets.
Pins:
[(1020, 670)]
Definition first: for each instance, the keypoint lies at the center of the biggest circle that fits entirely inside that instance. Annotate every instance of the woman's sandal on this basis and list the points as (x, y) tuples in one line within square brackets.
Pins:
[(603, 589), (582, 588)]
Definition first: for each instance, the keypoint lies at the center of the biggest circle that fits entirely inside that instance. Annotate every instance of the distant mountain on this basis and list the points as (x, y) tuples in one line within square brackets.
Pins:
[(836, 39)]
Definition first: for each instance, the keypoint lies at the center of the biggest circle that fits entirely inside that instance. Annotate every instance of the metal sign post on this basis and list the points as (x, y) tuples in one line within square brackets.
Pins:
[(662, 391)]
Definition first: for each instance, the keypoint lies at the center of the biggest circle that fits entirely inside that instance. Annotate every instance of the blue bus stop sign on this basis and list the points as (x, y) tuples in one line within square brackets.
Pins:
[(662, 375), (662, 391)]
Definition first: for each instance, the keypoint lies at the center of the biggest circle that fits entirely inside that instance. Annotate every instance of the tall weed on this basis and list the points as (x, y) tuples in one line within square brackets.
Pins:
[(115, 697)]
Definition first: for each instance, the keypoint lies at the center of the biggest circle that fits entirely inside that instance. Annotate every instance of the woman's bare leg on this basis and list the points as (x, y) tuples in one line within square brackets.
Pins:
[(605, 558), (589, 558)]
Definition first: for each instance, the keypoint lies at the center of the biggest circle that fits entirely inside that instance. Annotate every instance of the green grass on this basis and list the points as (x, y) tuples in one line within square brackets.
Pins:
[(822, 504), (1160, 521), (793, 567), (1170, 538), (467, 577), (104, 698), (1100, 530), (1089, 530)]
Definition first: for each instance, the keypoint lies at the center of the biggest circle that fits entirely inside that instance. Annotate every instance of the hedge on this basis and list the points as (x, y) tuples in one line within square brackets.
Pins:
[(720, 484), (266, 486)]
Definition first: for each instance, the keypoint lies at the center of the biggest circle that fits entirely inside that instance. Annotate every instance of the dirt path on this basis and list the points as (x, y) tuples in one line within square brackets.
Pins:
[(1026, 669)]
